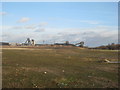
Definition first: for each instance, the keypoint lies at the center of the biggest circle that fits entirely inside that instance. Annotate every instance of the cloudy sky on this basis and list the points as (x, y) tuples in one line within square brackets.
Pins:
[(93, 23)]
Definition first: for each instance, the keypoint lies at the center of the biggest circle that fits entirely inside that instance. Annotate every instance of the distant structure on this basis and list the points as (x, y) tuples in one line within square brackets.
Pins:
[(13, 44), (67, 43), (80, 44), (29, 42), (64, 44), (32, 42)]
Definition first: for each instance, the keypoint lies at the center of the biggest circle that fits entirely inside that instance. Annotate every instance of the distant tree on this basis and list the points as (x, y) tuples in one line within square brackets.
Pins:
[(111, 46)]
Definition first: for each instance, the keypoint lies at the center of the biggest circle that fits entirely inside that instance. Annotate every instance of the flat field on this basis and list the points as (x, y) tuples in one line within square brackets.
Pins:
[(60, 67)]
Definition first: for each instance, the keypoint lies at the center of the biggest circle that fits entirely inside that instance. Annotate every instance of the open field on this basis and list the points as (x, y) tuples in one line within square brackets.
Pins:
[(64, 67)]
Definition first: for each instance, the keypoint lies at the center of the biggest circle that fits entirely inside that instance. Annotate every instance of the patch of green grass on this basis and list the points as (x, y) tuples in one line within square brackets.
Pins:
[(65, 68)]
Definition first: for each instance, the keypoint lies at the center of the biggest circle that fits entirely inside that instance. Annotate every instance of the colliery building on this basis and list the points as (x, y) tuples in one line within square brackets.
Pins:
[(64, 44)]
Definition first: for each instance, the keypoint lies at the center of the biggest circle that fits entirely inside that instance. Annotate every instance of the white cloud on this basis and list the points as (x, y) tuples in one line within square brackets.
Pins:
[(4, 27), (91, 38), (7, 28), (33, 26), (16, 37), (40, 30), (17, 27), (100, 35), (24, 19), (89, 22), (3, 13), (43, 24)]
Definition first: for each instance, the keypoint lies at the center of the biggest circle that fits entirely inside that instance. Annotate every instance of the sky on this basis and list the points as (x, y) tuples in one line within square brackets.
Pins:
[(95, 23)]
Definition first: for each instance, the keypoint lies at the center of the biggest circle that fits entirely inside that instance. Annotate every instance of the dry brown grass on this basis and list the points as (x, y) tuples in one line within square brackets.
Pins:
[(25, 68)]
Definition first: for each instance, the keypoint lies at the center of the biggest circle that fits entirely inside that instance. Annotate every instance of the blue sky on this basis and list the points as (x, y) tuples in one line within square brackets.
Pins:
[(94, 23)]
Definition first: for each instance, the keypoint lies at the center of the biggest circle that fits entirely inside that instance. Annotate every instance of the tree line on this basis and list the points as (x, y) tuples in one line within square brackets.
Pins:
[(111, 46)]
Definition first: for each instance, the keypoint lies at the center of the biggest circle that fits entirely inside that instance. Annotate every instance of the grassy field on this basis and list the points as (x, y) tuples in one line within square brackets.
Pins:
[(70, 67)]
